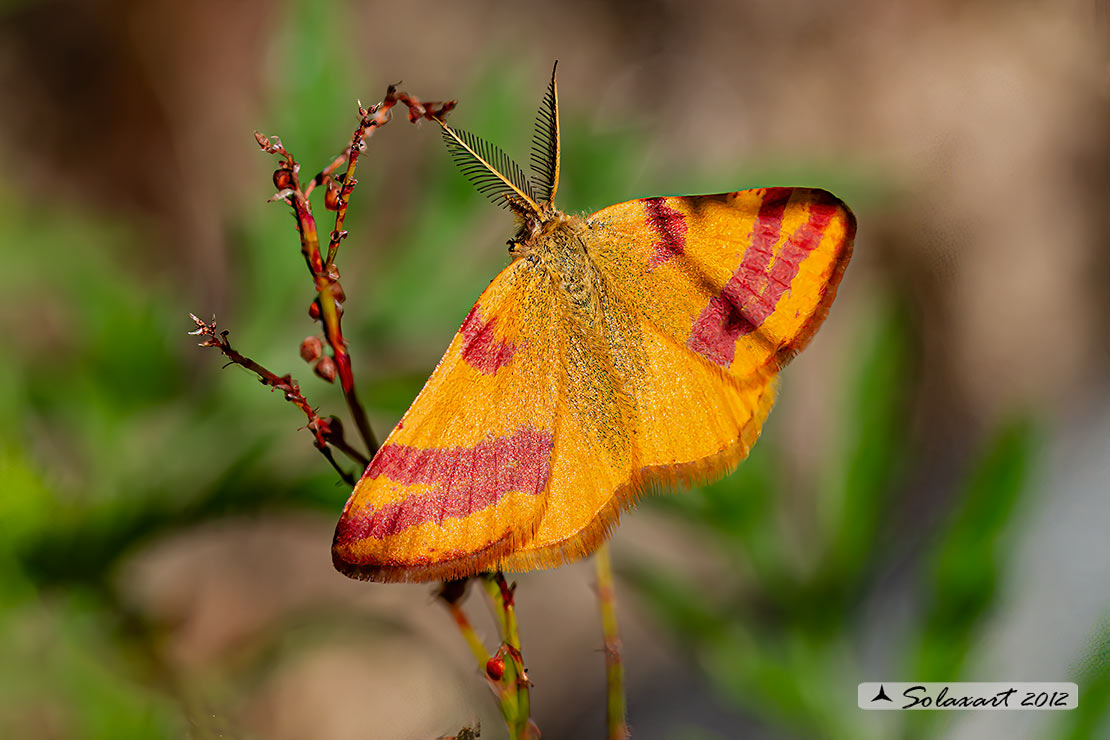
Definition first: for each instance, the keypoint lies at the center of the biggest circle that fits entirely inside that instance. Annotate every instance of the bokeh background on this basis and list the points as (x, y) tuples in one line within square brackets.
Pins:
[(928, 502)]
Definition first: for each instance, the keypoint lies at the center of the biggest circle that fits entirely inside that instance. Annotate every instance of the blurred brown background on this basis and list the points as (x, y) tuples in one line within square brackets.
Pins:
[(970, 138)]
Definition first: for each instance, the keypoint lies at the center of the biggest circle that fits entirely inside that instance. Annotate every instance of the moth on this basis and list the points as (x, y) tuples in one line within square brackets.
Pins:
[(631, 349)]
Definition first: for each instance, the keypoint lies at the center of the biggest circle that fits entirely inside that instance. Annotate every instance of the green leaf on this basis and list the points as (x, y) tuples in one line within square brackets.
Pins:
[(965, 566), (853, 494)]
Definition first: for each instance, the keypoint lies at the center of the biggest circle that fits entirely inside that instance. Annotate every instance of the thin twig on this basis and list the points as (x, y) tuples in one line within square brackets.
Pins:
[(373, 117), (614, 668), (452, 593), (339, 442), (324, 431)]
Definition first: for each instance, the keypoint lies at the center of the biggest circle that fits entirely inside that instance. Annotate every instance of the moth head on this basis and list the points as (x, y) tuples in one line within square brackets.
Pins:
[(502, 180)]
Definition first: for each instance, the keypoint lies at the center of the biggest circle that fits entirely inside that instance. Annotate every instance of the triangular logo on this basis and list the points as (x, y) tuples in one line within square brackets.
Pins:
[(882, 694)]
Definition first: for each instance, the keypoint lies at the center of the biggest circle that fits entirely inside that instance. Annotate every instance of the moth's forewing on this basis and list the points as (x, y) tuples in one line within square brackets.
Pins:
[(462, 480)]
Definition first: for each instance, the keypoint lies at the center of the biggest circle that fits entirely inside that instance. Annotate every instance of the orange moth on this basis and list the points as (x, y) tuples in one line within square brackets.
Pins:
[(634, 348)]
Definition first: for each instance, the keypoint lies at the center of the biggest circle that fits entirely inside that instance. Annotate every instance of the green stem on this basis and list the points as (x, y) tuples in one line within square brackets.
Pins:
[(471, 637), (614, 667), (516, 688)]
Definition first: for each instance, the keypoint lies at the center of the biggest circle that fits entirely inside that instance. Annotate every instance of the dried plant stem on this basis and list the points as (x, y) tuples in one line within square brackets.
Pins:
[(329, 300), (325, 275), (614, 668), (339, 442), (325, 432)]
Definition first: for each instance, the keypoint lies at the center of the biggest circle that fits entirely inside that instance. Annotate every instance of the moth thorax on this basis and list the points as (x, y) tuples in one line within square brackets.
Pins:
[(556, 238)]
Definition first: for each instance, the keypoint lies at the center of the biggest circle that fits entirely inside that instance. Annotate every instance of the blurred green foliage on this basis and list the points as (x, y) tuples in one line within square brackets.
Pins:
[(1093, 677), (785, 643), (115, 429)]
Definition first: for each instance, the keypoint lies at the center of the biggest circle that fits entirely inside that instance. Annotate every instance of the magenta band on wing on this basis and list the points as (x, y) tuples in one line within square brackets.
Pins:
[(755, 289), (481, 349), (463, 480), (797, 247), (730, 315), (671, 227)]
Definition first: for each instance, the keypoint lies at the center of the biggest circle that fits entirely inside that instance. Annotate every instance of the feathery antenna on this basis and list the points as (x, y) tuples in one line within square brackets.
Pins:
[(545, 144), (491, 170)]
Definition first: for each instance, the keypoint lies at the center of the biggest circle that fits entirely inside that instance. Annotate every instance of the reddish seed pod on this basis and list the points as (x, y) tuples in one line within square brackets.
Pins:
[(331, 197), (311, 348), (283, 178), (495, 667), (326, 369), (314, 311)]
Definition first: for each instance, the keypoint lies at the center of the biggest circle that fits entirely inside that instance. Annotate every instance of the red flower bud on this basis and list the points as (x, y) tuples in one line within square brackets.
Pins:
[(314, 311), (283, 178), (331, 197), (495, 667), (311, 348), (326, 369)]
